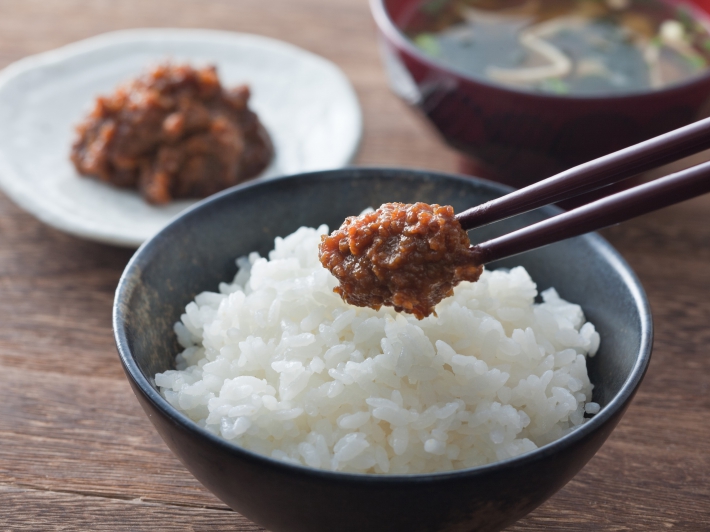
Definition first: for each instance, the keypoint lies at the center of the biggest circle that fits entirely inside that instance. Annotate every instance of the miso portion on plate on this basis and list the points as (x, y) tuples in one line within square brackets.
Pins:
[(576, 47), (174, 132)]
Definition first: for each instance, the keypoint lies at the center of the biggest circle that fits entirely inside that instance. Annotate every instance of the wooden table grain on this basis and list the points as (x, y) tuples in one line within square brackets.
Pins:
[(77, 452)]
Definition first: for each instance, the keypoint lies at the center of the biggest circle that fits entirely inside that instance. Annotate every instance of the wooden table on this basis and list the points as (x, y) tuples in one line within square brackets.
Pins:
[(77, 452)]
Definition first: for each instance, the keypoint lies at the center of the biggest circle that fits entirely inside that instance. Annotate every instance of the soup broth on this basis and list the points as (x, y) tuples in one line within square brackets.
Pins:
[(578, 47)]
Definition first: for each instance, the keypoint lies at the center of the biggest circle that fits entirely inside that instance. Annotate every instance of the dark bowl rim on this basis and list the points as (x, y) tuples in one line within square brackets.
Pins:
[(387, 26), (599, 244)]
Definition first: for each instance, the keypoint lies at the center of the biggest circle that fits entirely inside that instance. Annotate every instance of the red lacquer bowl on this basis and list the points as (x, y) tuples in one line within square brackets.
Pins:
[(520, 137)]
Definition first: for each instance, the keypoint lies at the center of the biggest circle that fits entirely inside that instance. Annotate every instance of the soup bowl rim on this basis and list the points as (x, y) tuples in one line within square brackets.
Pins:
[(394, 33), (145, 254)]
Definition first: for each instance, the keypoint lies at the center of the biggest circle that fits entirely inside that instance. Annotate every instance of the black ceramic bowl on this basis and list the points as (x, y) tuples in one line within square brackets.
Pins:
[(197, 251)]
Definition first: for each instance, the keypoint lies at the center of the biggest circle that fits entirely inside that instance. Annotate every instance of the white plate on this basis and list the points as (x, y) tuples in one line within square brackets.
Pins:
[(305, 102)]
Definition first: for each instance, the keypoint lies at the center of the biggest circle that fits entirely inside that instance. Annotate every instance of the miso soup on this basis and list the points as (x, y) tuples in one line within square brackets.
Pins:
[(576, 47)]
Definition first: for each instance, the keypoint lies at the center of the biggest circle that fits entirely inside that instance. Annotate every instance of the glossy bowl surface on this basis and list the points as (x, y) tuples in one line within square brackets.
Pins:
[(197, 251), (518, 136)]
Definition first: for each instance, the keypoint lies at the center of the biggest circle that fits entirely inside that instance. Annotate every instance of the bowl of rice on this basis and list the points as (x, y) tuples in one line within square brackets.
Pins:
[(304, 413)]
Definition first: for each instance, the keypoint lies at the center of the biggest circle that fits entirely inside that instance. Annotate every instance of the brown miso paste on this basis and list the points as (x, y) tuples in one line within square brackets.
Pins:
[(174, 132), (406, 256)]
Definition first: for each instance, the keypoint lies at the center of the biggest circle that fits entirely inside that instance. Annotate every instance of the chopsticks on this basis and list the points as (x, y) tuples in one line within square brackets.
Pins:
[(593, 175), (611, 210), (602, 213)]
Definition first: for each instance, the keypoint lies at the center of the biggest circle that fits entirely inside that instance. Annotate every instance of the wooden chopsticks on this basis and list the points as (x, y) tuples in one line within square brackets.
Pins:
[(611, 210), (593, 175), (602, 213)]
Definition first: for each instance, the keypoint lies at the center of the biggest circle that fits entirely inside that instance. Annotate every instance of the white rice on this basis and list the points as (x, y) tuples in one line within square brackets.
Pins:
[(277, 363)]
